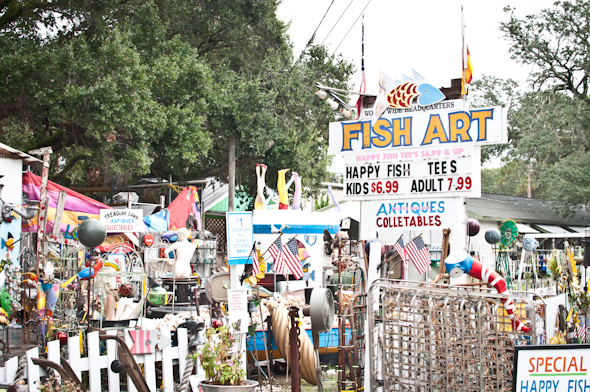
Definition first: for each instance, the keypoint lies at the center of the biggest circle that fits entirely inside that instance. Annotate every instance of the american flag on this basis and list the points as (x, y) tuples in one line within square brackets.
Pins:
[(255, 265), (582, 332), (399, 248), (419, 254), (276, 251), (291, 258)]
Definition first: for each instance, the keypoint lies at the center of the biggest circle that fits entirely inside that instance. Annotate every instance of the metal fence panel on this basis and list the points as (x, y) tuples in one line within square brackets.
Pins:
[(441, 338)]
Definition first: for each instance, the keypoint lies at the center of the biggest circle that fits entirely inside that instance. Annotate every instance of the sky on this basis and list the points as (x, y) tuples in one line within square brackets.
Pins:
[(400, 36)]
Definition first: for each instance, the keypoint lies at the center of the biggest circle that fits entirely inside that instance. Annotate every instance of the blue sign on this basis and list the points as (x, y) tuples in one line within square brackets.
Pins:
[(239, 237)]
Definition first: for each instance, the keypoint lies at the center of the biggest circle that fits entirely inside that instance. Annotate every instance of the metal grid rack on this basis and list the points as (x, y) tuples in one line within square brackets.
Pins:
[(440, 338)]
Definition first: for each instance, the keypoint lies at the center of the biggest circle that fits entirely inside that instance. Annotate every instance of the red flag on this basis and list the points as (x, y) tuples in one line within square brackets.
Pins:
[(399, 248), (419, 254)]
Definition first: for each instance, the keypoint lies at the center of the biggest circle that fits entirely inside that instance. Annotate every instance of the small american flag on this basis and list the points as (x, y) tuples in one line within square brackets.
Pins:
[(419, 254), (255, 265), (399, 248), (582, 332), (276, 251), (291, 258)]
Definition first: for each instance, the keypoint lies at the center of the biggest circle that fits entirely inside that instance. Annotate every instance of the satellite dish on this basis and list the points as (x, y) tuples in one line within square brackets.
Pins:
[(509, 233), (530, 244), (216, 287)]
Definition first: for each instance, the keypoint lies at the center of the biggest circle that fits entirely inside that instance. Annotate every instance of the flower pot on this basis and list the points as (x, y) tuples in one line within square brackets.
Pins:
[(249, 386)]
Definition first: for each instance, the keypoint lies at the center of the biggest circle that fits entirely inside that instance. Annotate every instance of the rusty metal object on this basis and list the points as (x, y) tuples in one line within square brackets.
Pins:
[(66, 373), (441, 338), (129, 364), (294, 349)]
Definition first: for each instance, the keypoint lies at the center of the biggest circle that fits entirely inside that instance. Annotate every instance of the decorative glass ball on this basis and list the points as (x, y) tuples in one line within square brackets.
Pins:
[(493, 236)]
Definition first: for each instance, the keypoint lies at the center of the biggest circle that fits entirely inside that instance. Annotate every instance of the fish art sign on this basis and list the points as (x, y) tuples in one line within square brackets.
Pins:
[(413, 113)]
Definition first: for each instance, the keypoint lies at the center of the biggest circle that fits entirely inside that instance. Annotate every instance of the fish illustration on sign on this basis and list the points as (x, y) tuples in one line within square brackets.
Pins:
[(404, 93)]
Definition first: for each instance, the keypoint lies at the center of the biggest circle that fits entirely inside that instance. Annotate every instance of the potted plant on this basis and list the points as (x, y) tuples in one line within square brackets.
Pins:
[(223, 368)]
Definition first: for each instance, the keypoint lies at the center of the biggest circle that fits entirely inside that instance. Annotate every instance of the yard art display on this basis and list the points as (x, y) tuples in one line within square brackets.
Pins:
[(145, 342), (552, 368), (401, 94), (459, 263)]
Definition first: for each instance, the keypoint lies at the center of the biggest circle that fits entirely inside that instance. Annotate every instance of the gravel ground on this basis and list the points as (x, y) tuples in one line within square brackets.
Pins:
[(282, 383)]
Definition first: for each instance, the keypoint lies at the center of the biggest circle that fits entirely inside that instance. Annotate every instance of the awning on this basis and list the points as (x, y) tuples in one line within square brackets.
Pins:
[(552, 229), (524, 229), (578, 229)]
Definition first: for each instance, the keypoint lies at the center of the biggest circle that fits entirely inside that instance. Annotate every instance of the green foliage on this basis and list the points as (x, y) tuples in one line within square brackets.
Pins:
[(130, 89), (220, 365), (549, 125)]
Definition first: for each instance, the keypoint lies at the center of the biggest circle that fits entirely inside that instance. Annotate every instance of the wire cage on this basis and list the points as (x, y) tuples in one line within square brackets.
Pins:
[(442, 338)]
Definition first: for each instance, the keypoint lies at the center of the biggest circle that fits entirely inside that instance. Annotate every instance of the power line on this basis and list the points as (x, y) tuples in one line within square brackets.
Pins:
[(337, 22), (312, 37), (335, 50)]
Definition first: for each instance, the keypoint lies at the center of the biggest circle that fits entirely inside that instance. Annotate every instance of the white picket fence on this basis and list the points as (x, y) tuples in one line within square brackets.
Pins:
[(95, 362)]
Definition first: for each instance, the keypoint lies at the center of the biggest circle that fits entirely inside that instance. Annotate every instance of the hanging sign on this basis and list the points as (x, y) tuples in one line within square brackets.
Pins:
[(122, 221), (445, 124), (240, 237), (557, 368), (429, 171), (423, 214)]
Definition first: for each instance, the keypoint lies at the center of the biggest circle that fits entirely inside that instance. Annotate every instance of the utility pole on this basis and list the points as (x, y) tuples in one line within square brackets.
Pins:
[(231, 180)]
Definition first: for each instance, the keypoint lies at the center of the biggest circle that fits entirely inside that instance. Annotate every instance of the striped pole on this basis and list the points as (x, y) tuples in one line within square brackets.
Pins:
[(42, 225)]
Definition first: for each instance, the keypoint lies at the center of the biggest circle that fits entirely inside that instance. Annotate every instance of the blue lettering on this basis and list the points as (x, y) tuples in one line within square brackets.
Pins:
[(441, 207), (534, 386), (555, 383), (586, 385), (541, 385), (524, 386), (382, 210), (569, 385)]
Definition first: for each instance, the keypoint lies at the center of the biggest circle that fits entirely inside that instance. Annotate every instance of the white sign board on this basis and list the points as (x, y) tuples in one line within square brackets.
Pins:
[(237, 306), (557, 368), (122, 221), (447, 125), (429, 171), (423, 214), (240, 237)]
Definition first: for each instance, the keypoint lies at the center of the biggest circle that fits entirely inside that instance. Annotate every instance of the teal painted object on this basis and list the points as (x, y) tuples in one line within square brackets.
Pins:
[(296, 229)]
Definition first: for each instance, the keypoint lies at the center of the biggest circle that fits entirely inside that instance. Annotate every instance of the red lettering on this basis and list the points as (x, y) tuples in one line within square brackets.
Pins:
[(540, 362), (379, 224), (413, 221), (554, 363), (532, 369), (582, 365), (574, 364), (548, 363), (438, 222)]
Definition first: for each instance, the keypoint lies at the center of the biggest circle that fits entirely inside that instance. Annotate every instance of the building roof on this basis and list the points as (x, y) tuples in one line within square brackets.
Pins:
[(521, 209), (9, 152)]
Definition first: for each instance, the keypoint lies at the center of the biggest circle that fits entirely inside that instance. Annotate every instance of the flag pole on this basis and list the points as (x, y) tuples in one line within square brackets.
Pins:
[(463, 65)]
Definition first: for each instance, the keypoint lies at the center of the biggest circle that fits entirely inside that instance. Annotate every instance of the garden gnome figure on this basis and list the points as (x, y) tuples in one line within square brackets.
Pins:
[(260, 202), (184, 252)]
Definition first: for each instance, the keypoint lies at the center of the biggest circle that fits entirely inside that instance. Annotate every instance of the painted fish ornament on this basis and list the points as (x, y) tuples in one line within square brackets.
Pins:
[(403, 95)]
